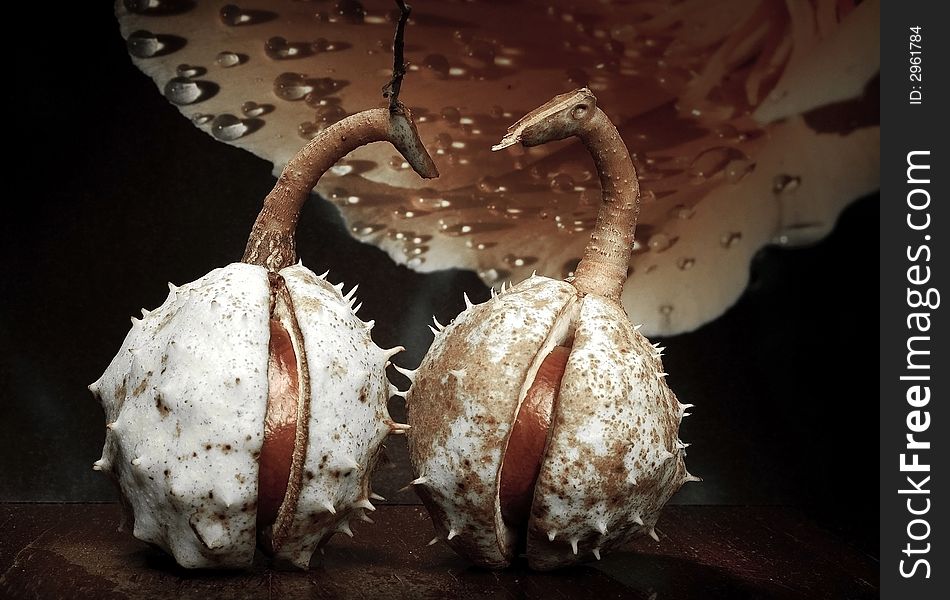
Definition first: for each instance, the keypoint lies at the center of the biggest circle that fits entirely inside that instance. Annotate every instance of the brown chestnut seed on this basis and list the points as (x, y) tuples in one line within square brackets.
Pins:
[(287, 401), (522, 461), (280, 426), (541, 419)]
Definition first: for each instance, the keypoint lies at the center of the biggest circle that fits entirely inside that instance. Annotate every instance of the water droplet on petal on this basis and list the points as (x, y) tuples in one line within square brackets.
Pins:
[(143, 44), (785, 183), (713, 160), (328, 114), (228, 59), (232, 15), (291, 86), (562, 182), (190, 71), (438, 64), (728, 240), (666, 309), (201, 118), (253, 109), (451, 114), (181, 91), (487, 184), (341, 169), (320, 88), (363, 229), (737, 169), (660, 242), (685, 264), (726, 132), (278, 48), (138, 7), (494, 276), (569, 267), (350, 11), (309, 130), (228, 128), (681, 211), (519, 261)]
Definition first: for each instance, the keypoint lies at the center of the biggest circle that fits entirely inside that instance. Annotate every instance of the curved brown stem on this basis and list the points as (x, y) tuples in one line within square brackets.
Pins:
[(271, 244), (603, 269)]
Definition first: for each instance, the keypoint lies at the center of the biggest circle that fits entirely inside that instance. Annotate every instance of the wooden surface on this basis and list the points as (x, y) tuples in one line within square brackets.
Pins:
[(74, 551)]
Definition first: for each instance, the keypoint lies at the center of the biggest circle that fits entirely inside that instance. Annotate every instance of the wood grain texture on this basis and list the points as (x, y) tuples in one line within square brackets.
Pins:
[(74, 551)]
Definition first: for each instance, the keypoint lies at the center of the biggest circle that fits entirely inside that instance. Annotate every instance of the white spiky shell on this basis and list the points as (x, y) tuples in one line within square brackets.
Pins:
[(185, 400), (613, 457)]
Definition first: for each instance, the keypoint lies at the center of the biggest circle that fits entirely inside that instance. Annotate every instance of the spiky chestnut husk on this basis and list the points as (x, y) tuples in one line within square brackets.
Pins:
[(256, 388), (611, 458), (185, 400)]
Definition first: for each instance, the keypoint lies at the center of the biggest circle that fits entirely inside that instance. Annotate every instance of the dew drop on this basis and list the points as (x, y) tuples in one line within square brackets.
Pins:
[(685, 264), (350, 11), (570, 267), (320, 88), (728, 240), (190, 71), (253, 109), (666, 309), (482, 52), (328, 114), (577, 77), (479, 245), (139, 7), (363, 229), (309, 130), (341, 169), (438, 64), (681, 211), (182, 91), (660, 242), (397, 163), (713, 160), (783, 184), (562, 183), (428, 199), (201, 118), (494, 276), (278, 48), (291, 86), (726, 132), (228, 59), (487, 184), (519, 261), (588, 199), (460, 229), (143, 44), (228, 128), (451, 114), (737, 169), (443, 141), (232, 15)]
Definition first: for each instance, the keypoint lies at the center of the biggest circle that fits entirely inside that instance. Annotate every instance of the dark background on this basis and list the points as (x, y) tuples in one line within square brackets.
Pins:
[(116, 194)]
